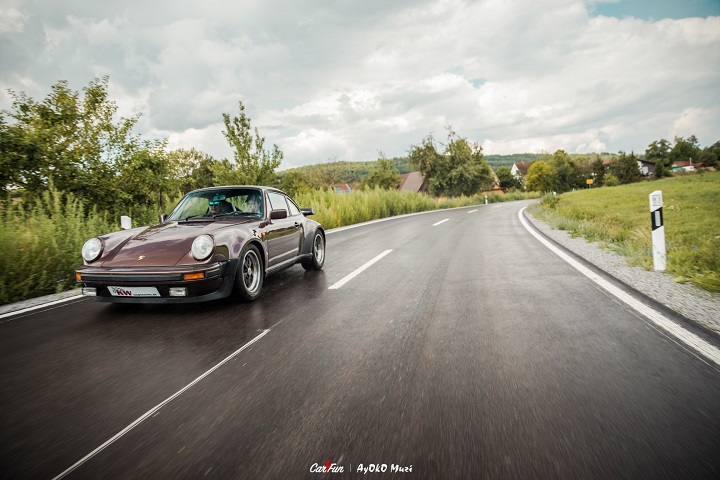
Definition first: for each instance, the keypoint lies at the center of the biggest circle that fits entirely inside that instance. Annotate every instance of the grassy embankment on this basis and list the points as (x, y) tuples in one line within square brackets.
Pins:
[(619, 217), (40, 241)]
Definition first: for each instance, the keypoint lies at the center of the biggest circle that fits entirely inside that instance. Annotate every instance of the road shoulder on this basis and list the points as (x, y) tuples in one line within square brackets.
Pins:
[(698, 306)]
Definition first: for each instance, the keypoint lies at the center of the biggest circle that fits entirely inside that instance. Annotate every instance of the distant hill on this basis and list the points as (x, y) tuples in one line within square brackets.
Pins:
[(496, 161)]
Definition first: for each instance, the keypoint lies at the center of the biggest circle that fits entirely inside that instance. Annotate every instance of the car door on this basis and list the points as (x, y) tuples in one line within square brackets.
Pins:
[(283, 234)]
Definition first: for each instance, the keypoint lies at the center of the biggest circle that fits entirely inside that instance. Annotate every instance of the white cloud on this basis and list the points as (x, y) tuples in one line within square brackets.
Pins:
[(12, 20), (346, 81)]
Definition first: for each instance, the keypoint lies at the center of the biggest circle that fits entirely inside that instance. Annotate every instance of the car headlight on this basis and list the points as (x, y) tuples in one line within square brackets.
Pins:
[(92, 249), (202, 247)]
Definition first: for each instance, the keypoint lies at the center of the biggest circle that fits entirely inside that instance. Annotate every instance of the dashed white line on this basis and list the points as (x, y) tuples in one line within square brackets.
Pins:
[(357, 271), (472, 211), (688, 338), (155, 409), (441, 221)]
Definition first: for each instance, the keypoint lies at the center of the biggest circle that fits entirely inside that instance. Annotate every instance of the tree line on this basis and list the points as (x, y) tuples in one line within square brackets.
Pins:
[(75, 142), (561, 172)]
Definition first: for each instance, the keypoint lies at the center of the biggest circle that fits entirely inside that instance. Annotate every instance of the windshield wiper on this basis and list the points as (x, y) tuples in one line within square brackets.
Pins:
[(201, 216)]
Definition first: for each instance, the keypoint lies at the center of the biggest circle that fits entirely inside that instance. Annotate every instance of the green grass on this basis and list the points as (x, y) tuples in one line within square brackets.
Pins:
[(336, 210), (619, 217), (40, 240), (40, 244)]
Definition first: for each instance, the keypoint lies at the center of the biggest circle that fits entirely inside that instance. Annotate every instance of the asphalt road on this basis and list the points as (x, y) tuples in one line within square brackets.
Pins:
[(467, 351)]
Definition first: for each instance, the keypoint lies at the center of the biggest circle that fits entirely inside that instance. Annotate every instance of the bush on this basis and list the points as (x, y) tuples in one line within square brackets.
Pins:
[(40, 243)]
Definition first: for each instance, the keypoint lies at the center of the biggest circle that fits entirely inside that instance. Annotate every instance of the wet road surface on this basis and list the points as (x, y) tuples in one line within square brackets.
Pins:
[(467, 351)]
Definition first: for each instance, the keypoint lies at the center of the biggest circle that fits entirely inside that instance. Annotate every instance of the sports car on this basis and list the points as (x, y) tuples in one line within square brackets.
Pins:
[(216, 242)]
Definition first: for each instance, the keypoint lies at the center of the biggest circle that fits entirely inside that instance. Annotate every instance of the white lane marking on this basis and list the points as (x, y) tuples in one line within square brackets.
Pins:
[(397, 217), (441, 221), (688, 338), (36, 307), (358, 271), (157, 407), (472, 211)]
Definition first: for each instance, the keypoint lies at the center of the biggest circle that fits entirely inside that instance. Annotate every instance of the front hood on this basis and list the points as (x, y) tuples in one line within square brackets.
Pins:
[(160, 245)]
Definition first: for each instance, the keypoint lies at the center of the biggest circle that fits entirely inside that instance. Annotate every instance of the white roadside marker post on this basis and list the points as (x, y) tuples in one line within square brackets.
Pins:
[(658, 231), (125, 222)]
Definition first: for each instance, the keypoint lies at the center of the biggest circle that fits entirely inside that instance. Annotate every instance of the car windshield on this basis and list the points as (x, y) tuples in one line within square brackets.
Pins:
[(229, 202)]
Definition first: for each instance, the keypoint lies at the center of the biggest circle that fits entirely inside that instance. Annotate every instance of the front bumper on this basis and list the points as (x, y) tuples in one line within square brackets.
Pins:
[(217, 282)]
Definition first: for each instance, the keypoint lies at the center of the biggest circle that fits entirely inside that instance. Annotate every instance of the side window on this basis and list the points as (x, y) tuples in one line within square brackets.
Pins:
[(277, 201), (294, 210)]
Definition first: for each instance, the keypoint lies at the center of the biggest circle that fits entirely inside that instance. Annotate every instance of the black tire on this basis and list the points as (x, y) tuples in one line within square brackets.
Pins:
[(250, 274), (317, 258)]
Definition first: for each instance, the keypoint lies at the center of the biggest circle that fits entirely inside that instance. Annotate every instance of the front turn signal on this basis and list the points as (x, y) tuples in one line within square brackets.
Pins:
[(194, 276)]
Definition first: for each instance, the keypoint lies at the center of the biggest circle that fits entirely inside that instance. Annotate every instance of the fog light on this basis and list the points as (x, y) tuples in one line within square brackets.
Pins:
[(178, 292), (90, 292)]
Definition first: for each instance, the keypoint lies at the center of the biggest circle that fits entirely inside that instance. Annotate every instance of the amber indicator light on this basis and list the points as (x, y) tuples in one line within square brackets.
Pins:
[(194, 276)]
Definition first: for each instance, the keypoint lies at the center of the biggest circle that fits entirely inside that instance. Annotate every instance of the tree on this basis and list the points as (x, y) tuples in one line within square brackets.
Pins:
[(253, 165), (685, 150), (598, 172), (192, 169), (626, 169), (658, 152), (539, 177), (507, 179), (384, 175), (294, 183), (76, 143), (460, 170), (566, 174), (711, 155)]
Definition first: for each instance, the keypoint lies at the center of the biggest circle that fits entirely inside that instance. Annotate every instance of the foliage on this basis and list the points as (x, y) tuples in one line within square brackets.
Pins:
[(40, 242), (539, 177), (75, 143), (597, 169), (507, 179), (619, 217), (685, 150), (253, 165), (459, 170), (566, 173), (658, 152), (295, 183), (611, 180), (625, 168), (335, 210), (497, 161), (384, 175), (191, 169)]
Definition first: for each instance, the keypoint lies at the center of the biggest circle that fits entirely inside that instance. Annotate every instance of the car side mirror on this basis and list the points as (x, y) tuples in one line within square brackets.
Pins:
[(278, 214), (307, 211), (163, 217)]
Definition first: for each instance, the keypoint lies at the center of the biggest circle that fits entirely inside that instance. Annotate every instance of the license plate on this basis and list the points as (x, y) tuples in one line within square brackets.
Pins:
[(134, 291)]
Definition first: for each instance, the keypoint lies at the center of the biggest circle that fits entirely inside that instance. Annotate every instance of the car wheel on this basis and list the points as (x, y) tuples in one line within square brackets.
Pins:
[(250, 275), (317, 260)]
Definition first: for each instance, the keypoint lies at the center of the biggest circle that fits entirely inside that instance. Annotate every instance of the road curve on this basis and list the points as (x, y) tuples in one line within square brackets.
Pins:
[(455, 346)]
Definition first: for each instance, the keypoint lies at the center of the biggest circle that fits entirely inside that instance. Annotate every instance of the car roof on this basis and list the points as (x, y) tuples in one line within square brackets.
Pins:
[(258, 187)]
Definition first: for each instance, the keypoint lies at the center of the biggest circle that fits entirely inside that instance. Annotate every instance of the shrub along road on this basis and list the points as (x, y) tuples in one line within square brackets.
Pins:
[(453, 343)]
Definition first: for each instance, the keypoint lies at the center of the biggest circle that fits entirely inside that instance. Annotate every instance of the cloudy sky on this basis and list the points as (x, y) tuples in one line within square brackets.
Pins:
[(345, 80)]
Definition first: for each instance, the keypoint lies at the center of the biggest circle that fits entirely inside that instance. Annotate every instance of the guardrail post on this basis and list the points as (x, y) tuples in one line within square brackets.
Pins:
[(658, 231), (125, 222)]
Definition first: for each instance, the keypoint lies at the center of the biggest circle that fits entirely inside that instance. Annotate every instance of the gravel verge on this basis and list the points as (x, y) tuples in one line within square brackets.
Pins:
[(695, 304)]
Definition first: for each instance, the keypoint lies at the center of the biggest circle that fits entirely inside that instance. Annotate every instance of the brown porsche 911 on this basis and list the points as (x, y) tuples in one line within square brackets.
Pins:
[(216, 242)]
